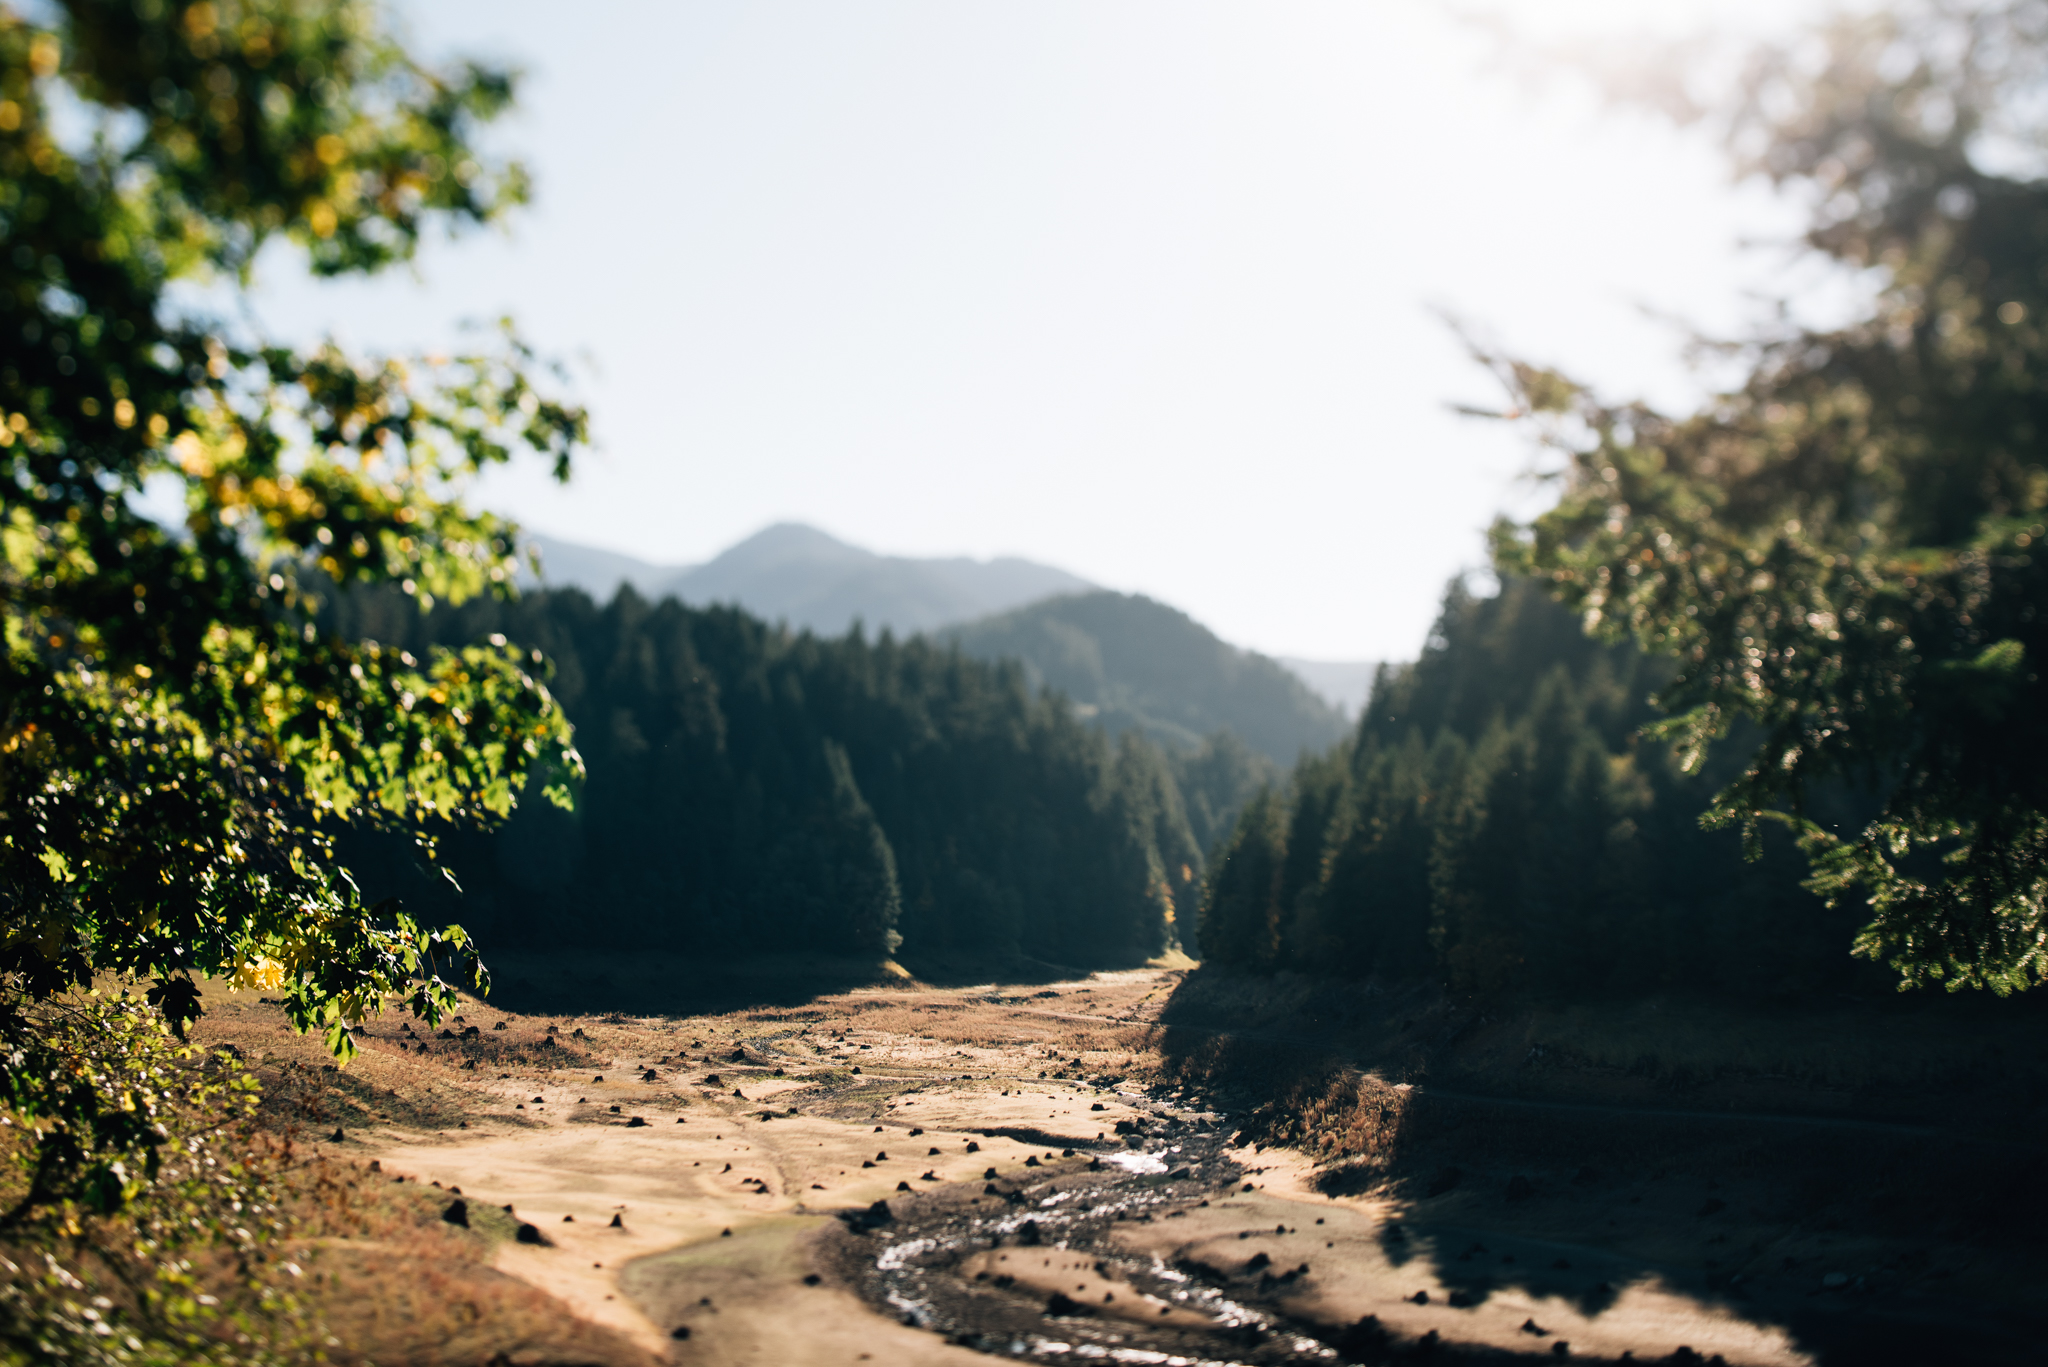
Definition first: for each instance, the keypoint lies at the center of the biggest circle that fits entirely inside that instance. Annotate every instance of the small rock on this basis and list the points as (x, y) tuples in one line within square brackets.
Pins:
[(457, 1214), (530, 1234), (1420, 1298)]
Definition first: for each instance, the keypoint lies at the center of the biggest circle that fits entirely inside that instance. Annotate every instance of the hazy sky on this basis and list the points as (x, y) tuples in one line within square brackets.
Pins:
[(1145, 290)]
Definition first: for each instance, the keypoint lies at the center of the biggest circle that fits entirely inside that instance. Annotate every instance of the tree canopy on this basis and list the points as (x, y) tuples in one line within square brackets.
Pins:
[(179, 739), (1843, 552)]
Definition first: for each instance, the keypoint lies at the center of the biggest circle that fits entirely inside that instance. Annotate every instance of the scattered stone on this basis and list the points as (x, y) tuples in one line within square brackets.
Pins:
[(933, 1153), (812, 1279), (501, 1025), (457, 1214), (568, 1219), (618, 1222), (530, 1234), (635, 1123), (1062, 1304), (1032, 1161), (337, 1137), (682, 1331), (903, 1186), (973, 1147), (1030, 1235), (1530, 1326), (1420, 1298)]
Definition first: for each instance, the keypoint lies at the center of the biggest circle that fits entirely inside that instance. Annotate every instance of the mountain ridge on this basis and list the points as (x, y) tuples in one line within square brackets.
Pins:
[(798, 574), (794, 573)]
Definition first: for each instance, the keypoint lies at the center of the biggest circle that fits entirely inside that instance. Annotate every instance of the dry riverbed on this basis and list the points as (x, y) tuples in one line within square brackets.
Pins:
[(911, 1175)]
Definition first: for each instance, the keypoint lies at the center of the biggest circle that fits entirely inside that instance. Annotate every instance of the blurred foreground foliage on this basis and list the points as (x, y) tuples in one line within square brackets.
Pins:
[(179, 740), (1843, 552), (1828, 581), (88, 1273)]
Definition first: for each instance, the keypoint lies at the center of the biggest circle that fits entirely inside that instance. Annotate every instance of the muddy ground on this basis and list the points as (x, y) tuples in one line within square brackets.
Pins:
[(907, 1174)]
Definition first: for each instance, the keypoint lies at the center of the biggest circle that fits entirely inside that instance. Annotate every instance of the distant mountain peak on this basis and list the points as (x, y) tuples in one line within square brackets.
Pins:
[(780, 543), (795, 573)]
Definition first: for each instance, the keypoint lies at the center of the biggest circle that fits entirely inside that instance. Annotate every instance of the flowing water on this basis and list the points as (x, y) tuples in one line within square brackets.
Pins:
[(1031, 1270)]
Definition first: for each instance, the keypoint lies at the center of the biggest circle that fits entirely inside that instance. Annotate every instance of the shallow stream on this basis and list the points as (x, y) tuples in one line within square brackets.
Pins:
[(1030, 1270)]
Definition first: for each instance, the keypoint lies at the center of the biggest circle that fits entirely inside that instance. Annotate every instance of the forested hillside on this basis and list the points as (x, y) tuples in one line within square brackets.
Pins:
[(1493, 822), (751, 790), (1130, 662)]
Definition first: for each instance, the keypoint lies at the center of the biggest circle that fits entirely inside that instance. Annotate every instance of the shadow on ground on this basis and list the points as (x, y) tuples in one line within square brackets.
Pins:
[(672, 984), (1877, 1228)]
